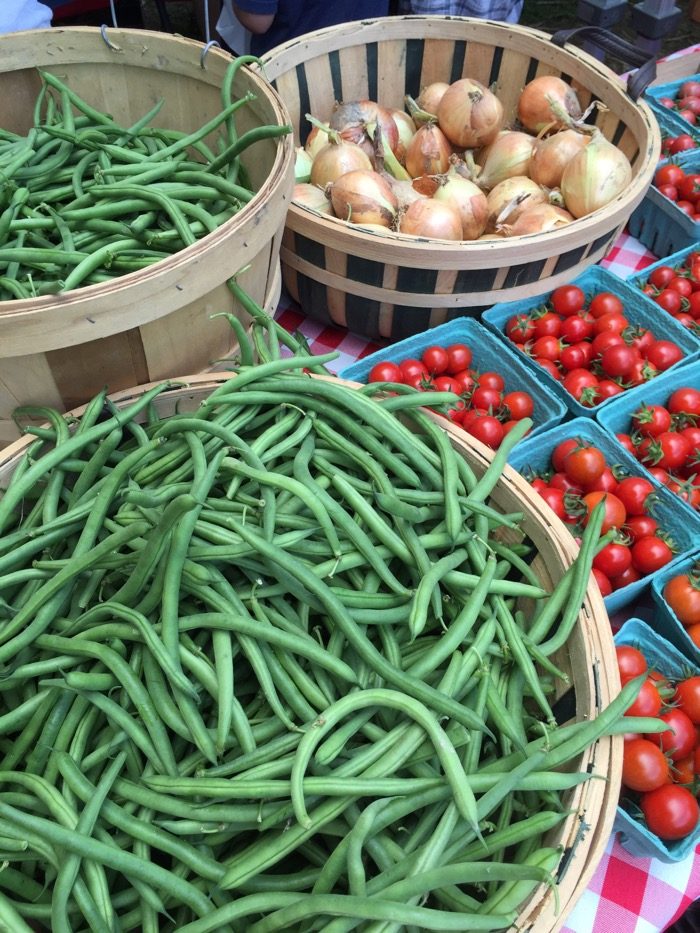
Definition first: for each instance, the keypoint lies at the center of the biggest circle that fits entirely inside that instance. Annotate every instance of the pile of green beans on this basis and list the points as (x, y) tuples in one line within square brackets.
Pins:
[(84, 199), (262, 667)]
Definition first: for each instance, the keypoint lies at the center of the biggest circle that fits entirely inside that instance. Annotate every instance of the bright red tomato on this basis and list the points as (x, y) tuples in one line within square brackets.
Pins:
[(555, 500), (584, 464), (486, 397), (573, 357), (412, 369), (562, 451), (550, 366), (486, 429), (627, 443), (668, 174), (671, 811), (518, 404), (465, 381), (608, 388), (640, 526), (679, 741), (634, 493), (604, 584), (618, 360), (605, 303), (613, 559), (613, 323), (492, 380), (684, 400), (547, 324), (687, 696), (615, 513), (520, 328), (644, 765), (650, 554), (576, 328), (669, 450), (567, 300), (648, 702), (547, 348), (459, 358), (435, 359), (651, 419), (385, 371), (661, 276), (630, 662), (669, 300), (682, 593), (663, 354), (606, 482), (583, 385)]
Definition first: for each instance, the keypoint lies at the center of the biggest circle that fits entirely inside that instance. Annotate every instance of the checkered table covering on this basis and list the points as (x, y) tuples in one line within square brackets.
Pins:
[(626, 894)]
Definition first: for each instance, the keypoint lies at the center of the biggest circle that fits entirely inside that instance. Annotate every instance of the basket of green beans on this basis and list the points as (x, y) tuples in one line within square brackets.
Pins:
[(283, 652), (139, 171)]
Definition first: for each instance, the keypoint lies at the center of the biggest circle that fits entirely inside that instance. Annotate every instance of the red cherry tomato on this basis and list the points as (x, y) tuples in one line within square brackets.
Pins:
[(630, 662), (518, 404), (605, 303), (435, 359), (648, 702), (613, 559), (670, 811), (459, 358), (615, 514), (567, 300), (644, 765), (634, 493), (679, 741), (584, 464), (487, 429), (650, 554), (687, 697), (663, 354), (385, 371)]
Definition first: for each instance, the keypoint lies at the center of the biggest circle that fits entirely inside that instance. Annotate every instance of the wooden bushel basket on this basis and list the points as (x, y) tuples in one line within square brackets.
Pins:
[(588, 658), (388, 286), (59, 350)]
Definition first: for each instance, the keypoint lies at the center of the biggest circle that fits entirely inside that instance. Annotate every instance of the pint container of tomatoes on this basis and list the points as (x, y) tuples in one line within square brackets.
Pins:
[(658, 815), (676, 595), (593, 339), (674, 284), (574, 465), (496, 387), (668, 217), (659, 424), (677, 102)]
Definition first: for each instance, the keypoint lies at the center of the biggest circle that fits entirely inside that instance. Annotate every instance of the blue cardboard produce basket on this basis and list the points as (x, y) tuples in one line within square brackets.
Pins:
[(615, 417), (675, 260), (639, 309), (672, 125), (532, 455), (659, 224), (662, 656), (488, 354), (653, 95), (666, 621)]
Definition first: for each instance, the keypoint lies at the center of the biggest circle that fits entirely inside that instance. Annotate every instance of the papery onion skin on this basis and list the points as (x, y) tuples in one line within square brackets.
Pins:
[(552, 154), (469, 201), (540, 218), (430, 218), (302, 164), (506, 192), (406, 131), (335, 159), (469, 114), (431, 95), (315, 141), (307, 195), (535, 111), (429, 152), (595, 176), (363, 197), (507, 156), (353, 113)]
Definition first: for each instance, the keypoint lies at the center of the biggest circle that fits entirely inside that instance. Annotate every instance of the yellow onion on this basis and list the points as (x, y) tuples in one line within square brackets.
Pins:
[(547, 103), (302, 164), (406, 191), (595, 176), (430, 218), (510, 197), (429, 152), (363, 197), (469, 114), (508, 155), (316, 140), (406, 131), (552, 154), (431, 95), (335, 159), (307, 195), (469, 201), (540, 218), (353, 113)]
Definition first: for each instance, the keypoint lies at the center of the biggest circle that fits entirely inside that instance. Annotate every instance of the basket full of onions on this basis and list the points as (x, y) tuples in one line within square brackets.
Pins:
[(445, 164)]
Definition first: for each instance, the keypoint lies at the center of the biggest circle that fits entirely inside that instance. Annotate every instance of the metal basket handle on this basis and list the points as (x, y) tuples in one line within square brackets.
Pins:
[(645, 67)]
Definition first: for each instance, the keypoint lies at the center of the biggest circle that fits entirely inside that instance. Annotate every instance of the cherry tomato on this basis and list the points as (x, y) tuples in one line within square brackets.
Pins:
[(435, 359), (583, 385), (618, 360), (459, 358), (614, 509), (663, 354), (605, 303), (492, 380), (561, 452), (601, 342), (446, 384), (684, 770), (682, 593), (547, 325), (669, 450), (669, 300), (684, 400), (547, 348), (576, 328), (385, 371), (608, 388), (682, 143), (613, 323), (668, 174), (687, 696), (606, 482), (689, 187), (644, 765), (412, 369), (630, 662), (640, 526), (465, 381), (555, 500), (520, 328), (679, 741), (634, 493), (682, 285), (486, 397), (626, 578), (604, 584), (519, 404), (662, 275), (573, 357), (650, 554), (689, 88), (550, 366), (651, 419), (584, 464), (562, 481), (486, 429), (627, 443), (567, 300), (613, 559), (648, 702), (671, 811)]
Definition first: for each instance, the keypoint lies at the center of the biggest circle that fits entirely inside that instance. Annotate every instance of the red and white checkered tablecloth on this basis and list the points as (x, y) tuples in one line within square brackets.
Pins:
[(626, 894)]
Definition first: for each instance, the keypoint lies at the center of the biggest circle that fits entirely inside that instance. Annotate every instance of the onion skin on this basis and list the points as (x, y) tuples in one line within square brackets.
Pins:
[(315, 141), (430, 218), (429, 152), (552, 154), (307, 195), (469, 201), (540, 218), (507, 156), (363, 197), (595, 176), (353, 113), (431, 95), (535, 110), (469, 114), (505, 193), (302, 164), (406, 131), (335, 159)]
